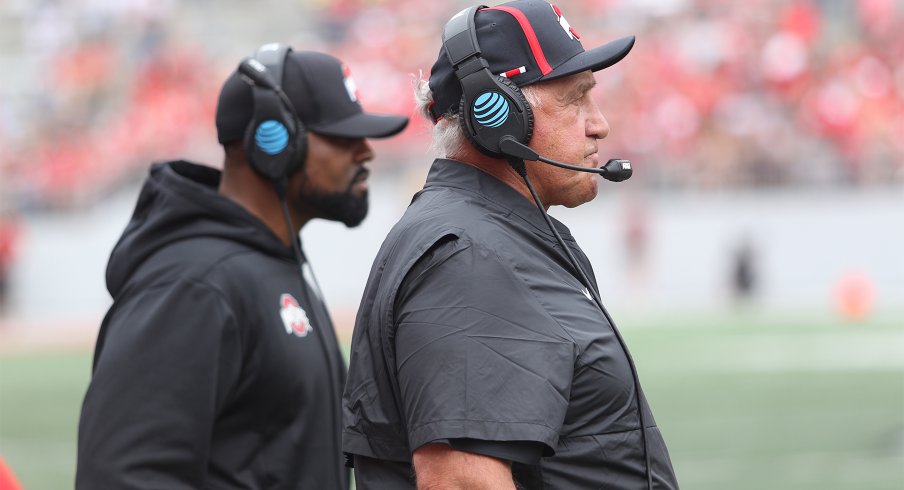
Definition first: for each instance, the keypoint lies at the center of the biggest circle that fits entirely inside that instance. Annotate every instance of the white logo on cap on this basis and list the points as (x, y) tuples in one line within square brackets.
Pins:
[(564, 24), (350, 86)]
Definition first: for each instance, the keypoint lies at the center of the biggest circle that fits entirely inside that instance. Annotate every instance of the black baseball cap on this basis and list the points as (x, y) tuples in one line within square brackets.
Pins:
[(526, 41), (324, 95)]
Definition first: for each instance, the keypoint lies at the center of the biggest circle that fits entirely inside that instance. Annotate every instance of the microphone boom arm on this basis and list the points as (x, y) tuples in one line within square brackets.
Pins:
[(615, 170)]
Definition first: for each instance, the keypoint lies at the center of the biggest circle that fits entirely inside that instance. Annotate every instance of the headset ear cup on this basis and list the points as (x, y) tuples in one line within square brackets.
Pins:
[(463, 115), (272, 165), (528, 111), (515, 94), (288, 155), (276, 140)]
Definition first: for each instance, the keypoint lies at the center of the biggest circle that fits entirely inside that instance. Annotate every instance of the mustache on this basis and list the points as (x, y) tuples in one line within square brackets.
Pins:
[(361, 174)]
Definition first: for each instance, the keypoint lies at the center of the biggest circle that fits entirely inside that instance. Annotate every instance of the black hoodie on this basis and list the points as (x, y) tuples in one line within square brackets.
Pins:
[(210, 370)]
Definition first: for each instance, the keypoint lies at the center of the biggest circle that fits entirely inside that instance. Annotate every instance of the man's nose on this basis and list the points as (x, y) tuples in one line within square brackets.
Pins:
[(597, 125), (365, 152)]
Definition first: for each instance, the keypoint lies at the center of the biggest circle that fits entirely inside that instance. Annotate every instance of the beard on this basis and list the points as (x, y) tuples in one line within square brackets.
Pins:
[(344, 207)]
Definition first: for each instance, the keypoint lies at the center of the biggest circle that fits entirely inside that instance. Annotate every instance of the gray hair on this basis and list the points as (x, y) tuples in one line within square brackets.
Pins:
[(448, 137)]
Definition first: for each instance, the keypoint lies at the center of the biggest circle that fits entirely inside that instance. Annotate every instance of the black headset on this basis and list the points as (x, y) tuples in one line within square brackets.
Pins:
[(276, 139), (276, 143), (491, 106)]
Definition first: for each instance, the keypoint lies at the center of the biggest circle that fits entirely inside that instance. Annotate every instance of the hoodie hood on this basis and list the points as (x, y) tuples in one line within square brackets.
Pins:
[(179, 201)]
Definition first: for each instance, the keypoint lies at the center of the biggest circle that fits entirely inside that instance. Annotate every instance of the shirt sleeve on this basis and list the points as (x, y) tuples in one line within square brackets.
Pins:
[(526, 452), (477, 356), (167, 361)]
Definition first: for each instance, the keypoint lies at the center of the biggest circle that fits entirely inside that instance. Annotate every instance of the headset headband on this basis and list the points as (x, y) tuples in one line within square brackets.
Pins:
[(273, 56), (491, 107), (460, 36), (276, 140)]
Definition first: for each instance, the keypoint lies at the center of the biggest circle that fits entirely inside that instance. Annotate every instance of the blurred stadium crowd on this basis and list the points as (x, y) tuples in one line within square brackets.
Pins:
[(716, 95)]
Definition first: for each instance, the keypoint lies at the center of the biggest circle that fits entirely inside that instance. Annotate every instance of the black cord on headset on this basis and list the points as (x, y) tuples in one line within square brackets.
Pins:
[(281, 187), (519, 167)]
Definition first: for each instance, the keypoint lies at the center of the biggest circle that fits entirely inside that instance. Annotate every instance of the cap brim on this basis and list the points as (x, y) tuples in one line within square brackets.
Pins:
[(363, 125), (594, 60)]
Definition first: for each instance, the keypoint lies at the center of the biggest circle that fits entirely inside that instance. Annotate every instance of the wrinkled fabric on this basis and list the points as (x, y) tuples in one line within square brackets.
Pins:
[(473, 325), (198, 381)]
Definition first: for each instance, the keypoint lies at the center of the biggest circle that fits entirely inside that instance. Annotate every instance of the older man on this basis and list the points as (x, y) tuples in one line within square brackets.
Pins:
[(482, 356)]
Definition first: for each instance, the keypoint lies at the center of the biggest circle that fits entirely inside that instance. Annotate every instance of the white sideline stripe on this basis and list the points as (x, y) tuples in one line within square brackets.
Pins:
[(805, 351), (805, 458)]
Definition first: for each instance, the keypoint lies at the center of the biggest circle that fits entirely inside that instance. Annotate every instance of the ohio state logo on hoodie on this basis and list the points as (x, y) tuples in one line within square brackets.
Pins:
[(293, 316)]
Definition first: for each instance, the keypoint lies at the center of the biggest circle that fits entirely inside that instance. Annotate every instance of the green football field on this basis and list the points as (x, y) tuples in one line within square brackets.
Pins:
[(744, 403)]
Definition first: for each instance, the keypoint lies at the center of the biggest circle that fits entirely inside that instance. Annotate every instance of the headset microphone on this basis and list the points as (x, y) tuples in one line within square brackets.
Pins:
[(615, 170)]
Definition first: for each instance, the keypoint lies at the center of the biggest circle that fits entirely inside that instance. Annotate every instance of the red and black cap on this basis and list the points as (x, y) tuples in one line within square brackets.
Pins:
[(324, 96), (527, 41)]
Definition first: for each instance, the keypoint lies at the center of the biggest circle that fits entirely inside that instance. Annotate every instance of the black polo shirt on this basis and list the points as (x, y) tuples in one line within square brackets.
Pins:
[(473, 328)]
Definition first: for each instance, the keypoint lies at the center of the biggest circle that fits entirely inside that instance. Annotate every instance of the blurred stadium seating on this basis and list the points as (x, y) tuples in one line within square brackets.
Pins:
[(750, 94)]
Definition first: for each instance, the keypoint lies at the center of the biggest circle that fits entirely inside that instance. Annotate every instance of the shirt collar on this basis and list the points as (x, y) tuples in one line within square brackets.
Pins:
[(453, 173)]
